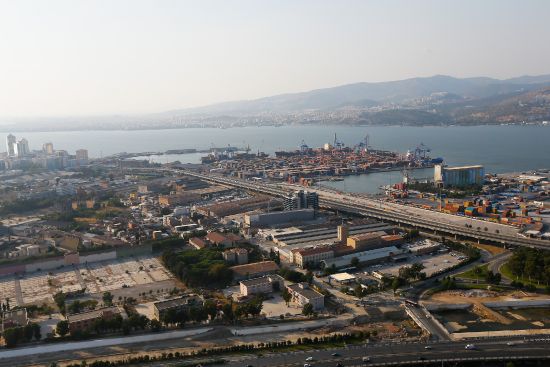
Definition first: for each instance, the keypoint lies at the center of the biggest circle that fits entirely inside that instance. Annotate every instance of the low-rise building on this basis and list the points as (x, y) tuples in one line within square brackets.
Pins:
[(178, 304), (312, 256), (236, 256), (86, 320), (254, 270), (366, 241), (13, 318), (198, 243), (342, 278), (265, 285), (302, 294)]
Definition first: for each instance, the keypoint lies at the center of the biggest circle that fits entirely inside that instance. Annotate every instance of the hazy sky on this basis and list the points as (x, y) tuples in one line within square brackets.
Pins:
[(100, 57)]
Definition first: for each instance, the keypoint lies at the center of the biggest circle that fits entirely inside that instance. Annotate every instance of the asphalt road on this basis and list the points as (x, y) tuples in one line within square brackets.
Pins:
[(394, 353)]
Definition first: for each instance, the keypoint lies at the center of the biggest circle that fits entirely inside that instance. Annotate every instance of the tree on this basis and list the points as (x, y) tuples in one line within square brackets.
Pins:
[(307, 310), (396, 283), (107, 298), (309, 277), (358, 291), (11, 336), (354, 262), (155, 325), (62, 328), (286, 296), (37, 334), (59, 299)]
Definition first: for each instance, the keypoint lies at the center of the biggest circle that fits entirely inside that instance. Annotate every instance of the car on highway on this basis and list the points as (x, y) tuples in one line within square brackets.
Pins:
[(470, 347), (335, 354), (309, 359), (510, 344), (366, 359), (428, 347), (307, 365)]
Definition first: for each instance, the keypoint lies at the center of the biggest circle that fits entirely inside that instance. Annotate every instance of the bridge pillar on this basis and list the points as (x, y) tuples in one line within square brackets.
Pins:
[(456, 236)]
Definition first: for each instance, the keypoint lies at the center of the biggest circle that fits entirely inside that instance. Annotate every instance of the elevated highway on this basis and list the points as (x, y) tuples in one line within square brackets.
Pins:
[(393, 212)]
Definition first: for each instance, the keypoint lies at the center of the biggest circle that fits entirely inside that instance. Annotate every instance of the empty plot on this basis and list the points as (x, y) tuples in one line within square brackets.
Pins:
[(7, 289)]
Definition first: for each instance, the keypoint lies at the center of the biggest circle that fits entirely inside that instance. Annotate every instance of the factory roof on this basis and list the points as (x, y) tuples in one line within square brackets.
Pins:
[(463, 167), (304, 290), (255, 268), (342, 277), (363, 256)]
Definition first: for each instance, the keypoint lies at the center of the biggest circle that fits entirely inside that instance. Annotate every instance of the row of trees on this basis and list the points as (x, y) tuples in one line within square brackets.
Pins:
[(532, 264), (22, 334), (173, 356)]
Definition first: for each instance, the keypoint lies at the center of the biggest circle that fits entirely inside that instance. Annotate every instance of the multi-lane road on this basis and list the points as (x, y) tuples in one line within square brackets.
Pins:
[(393, 354), (395, 212)]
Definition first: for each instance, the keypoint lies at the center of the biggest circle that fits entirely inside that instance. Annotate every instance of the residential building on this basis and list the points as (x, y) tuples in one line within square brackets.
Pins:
[(11, 142), (47, 148), (301, 200), (302, 294), (264, 285), (178, 304), (237, 256), (198, 243)]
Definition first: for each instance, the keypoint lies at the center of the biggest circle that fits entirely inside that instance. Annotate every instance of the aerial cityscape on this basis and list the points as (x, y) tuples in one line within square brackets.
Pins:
[(281, 211)]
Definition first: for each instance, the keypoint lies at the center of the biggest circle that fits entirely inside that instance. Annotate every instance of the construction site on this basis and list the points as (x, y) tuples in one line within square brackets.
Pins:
[(478, 313)]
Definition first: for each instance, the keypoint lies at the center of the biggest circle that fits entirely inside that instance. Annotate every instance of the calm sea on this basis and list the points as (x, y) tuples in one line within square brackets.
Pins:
[(498, 148)]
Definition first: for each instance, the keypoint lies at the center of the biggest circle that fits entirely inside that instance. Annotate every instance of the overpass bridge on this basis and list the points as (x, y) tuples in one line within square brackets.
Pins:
[(400, 214)]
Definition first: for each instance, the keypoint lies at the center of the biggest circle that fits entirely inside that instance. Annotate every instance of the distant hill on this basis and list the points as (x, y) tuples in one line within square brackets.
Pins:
[(370, 94)]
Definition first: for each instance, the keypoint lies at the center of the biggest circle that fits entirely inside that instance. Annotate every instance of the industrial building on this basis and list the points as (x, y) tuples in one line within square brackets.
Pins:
[(365, 257), (459, 176), (311, 256), (274, 218), (254, 270)]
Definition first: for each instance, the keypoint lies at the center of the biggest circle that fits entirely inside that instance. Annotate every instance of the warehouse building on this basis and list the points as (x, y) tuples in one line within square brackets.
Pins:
[(365, 257), (459, 176), (302, 294)]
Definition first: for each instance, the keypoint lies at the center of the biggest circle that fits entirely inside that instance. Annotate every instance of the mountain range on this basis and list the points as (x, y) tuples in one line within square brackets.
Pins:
[(435, 100), (399, 93)]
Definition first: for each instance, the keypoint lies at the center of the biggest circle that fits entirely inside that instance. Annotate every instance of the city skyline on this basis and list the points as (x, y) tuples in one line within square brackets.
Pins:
[(75, 58)]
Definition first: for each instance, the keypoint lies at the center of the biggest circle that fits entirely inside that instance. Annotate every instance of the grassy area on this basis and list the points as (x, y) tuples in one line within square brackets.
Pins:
[(476, 273), (506, 272), (493, 250)]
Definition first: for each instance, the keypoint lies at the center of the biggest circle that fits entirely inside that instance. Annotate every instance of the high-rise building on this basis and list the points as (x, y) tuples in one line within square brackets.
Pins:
[(48, 148), (11, 145), (82, 156), (301, 200), (22, 147)]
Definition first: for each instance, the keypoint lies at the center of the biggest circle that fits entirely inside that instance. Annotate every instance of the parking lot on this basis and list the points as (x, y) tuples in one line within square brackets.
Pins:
[(90, 278), (432, 263)]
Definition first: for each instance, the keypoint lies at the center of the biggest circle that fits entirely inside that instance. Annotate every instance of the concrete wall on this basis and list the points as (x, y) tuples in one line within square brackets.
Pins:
[(446, 306), (100, 256), (127, 251), (12, 269), (518, 303), (72, 259), (48, 264)]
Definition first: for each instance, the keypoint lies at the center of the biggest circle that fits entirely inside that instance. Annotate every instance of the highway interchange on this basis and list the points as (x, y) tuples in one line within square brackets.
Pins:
[(390, 211)]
